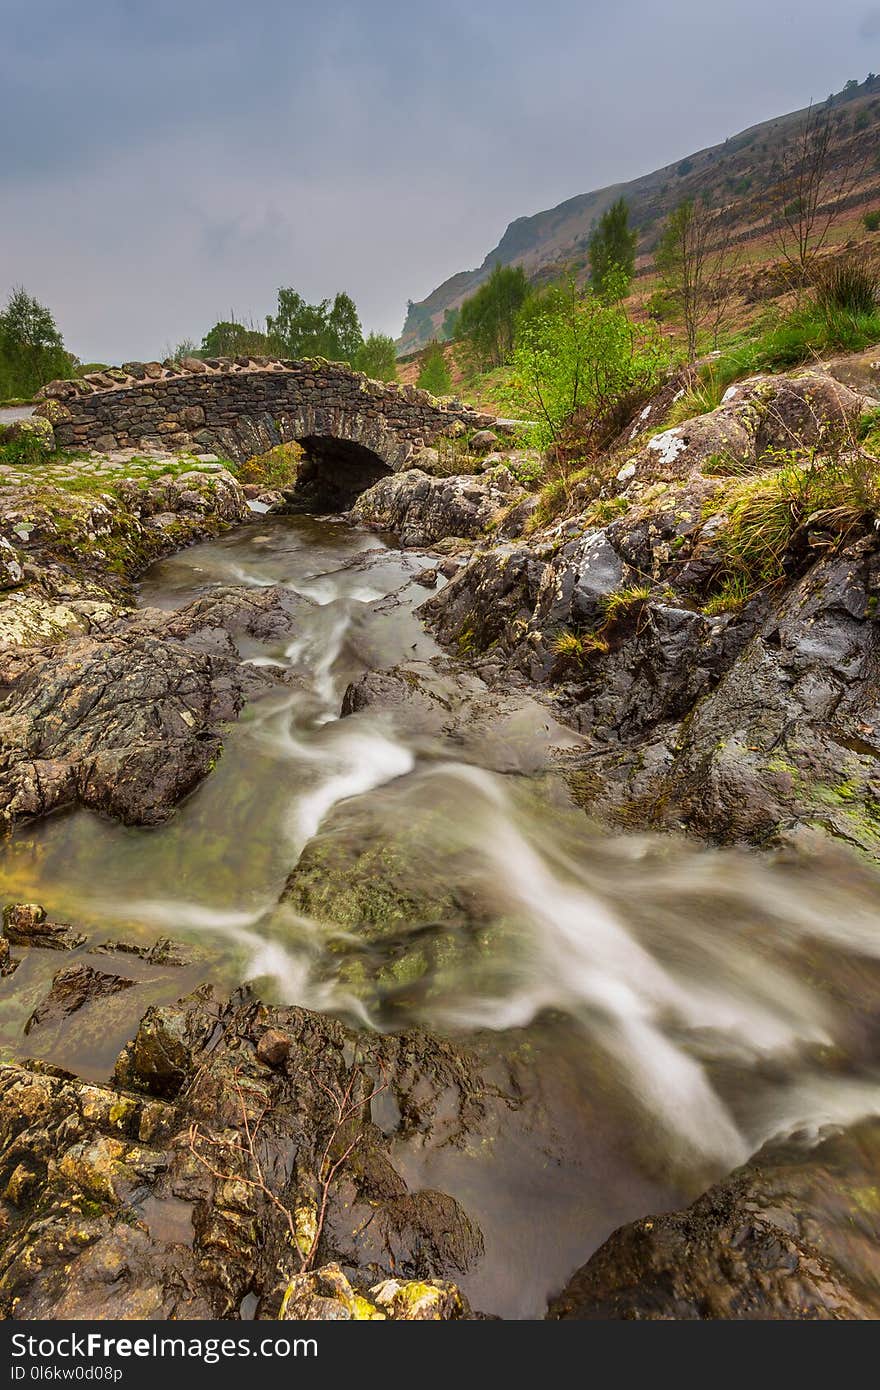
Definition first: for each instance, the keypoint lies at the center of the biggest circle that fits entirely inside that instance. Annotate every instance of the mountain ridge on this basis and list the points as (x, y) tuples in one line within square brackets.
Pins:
[(554, 239)]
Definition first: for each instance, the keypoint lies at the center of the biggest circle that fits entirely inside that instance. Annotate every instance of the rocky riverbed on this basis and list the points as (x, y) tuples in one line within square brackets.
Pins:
[(335, 1003)]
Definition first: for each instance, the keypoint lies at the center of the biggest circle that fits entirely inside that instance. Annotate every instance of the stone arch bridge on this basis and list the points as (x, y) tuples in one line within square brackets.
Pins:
[(353, 430)]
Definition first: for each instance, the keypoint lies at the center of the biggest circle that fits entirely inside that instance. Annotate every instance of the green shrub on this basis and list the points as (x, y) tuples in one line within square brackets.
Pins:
[(277, 468), (579, 363), (25, 452), (871, 221), (488, 319), (377, 357)]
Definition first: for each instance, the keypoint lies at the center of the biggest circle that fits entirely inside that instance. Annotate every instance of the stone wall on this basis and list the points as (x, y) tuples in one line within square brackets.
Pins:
[(238, 407)]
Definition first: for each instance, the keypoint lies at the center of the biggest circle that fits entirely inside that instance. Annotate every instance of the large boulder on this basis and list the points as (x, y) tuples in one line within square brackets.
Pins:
[(423, 510), (125, 724)]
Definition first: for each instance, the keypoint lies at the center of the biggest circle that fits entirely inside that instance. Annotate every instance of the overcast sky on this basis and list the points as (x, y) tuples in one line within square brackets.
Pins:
[(167, 162)]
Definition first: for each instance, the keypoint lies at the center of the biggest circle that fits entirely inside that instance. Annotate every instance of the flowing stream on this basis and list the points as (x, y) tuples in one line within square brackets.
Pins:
[(671, 1007)]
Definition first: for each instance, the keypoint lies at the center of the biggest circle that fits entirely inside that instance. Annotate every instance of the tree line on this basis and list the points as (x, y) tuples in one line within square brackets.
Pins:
[(329, 328)]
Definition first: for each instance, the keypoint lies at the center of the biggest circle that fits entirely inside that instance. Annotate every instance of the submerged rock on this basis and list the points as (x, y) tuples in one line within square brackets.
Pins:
[(792, 1235), (71, 989), (26, 924)]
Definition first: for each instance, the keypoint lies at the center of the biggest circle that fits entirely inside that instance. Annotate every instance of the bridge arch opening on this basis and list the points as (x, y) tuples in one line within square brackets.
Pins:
[(334, 472)]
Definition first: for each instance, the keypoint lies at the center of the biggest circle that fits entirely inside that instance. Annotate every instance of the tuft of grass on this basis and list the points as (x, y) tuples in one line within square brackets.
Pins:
[(849, 286), (574, 649), (623, 602), (766, 516), (733, 595), (699, 399), (605, 509)]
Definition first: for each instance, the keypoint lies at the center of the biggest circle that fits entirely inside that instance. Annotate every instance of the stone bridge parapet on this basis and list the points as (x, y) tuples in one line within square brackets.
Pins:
[(239, 407)]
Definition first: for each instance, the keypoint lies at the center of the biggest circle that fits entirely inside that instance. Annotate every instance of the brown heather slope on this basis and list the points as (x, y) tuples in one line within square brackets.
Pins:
[(735, 175)]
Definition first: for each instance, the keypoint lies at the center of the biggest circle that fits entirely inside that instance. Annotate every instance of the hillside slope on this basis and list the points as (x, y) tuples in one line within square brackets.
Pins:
[(733, 175)]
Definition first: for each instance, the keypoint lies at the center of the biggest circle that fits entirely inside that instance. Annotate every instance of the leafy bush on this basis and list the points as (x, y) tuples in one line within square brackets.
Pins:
[(31, 348), (581, 365), (871, 221), (24, 452), (377, 357), (298, 329), (613, 252), (488, 319)]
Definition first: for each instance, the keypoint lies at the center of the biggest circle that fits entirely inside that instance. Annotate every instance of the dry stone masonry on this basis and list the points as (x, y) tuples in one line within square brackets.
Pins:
[(242, 406)]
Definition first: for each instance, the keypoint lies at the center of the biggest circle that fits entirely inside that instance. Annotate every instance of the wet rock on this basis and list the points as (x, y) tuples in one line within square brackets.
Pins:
[(26, 924), (792, 731), (161, 952), (427, 578), (274, 1048), (126, 724), (159, 1059), (488, 601), (422, 510), (789, 1236), (326, 1295), (135, 1206), (431, 1300), (71, 989), (11, 572), (576, 583), (503, 730), (8, 965)]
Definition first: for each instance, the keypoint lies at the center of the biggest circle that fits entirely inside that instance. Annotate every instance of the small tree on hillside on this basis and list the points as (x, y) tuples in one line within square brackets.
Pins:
[(695, 261), (31, 348), (613, 249), (811, 179), (377, 358), (580, 362), (488, 319), (434, 375)]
